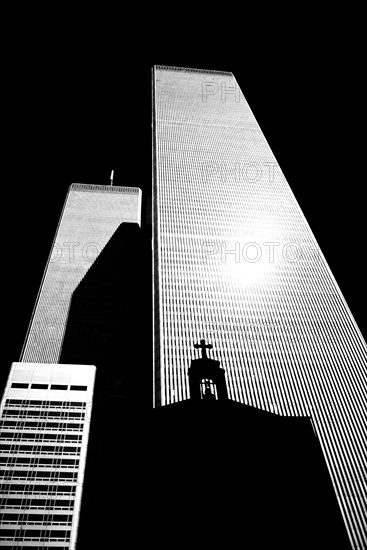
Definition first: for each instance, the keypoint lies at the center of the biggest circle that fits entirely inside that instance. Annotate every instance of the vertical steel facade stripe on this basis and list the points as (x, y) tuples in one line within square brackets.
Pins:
[(279, 324), (90, 216)]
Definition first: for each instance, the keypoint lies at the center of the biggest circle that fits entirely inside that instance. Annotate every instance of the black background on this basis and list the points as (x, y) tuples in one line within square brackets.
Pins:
[(74, 113)]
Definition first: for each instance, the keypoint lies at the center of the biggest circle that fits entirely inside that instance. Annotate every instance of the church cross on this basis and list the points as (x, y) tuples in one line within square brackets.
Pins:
[(203, 348)]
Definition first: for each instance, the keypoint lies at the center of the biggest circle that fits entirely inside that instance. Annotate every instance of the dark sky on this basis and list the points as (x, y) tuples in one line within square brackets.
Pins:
[(75, 122)]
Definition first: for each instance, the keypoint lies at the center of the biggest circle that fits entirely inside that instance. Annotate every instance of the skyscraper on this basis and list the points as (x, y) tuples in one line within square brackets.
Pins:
[(236, 263), (90, 216), (46, 407)]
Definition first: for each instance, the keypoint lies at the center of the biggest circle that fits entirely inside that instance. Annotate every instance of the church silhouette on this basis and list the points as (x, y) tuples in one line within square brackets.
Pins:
[(206, 470)]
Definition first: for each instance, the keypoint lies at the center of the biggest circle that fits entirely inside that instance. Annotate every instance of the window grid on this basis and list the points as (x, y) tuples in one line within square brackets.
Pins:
[(38, 480), (280, 327)]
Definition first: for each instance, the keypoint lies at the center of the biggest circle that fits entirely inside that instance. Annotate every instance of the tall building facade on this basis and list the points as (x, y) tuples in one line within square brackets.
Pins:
[(46, 408), (236, 263), (44, 427), (90, 216)]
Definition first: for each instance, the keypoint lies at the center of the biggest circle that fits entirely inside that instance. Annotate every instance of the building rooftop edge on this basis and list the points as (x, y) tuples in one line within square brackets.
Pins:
[(105, 188), (232, 404), (30, 364), (190, 70)]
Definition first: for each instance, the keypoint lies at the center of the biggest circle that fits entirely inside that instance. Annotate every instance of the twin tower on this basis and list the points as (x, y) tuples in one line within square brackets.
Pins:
[(233, 262)]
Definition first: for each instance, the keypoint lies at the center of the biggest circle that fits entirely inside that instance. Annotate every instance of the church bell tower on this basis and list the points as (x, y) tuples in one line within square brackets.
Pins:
[(206, 378)]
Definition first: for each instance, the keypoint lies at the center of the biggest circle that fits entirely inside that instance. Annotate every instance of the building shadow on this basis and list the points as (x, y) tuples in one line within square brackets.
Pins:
[(204, 471)]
